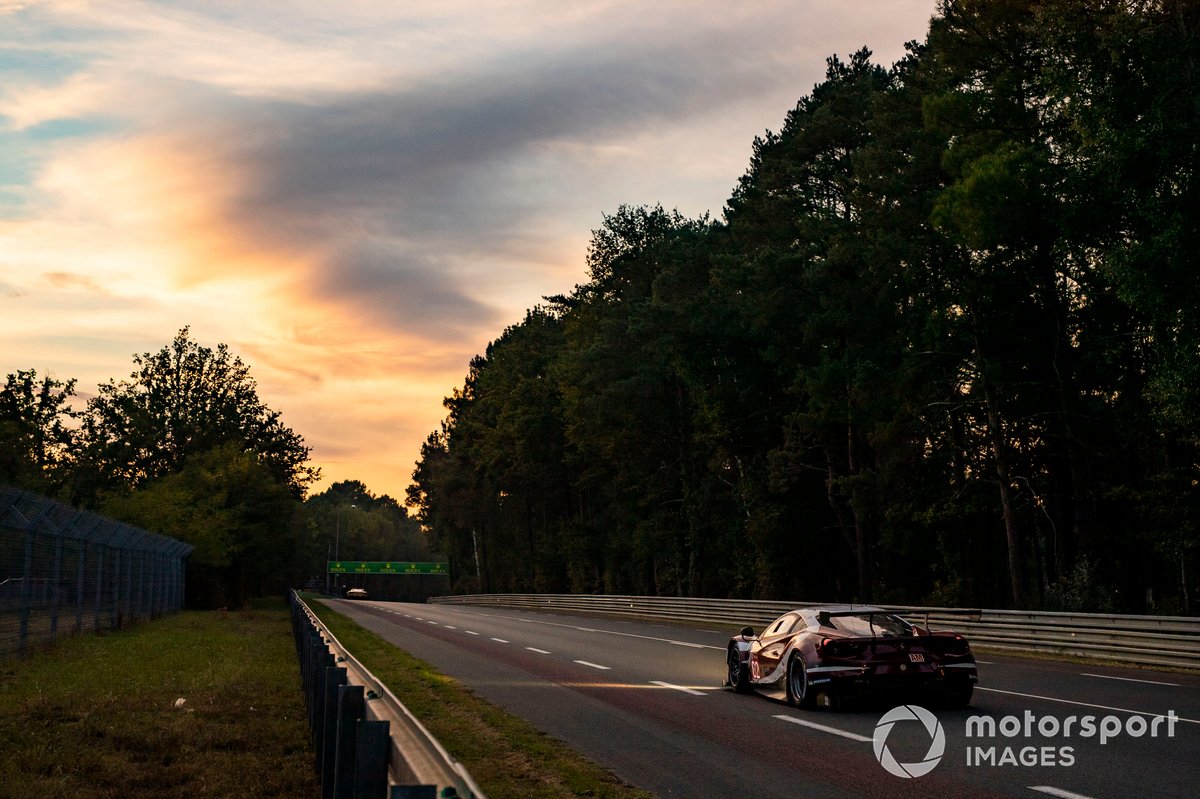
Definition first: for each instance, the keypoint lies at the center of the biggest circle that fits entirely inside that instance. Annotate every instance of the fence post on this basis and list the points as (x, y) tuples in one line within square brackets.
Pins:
[(351, 707), (97, 610), (335, 679), (55, 586), (374, 740), (128, 616), (80, 571), (322, 661), (26, 593), (116, 579)]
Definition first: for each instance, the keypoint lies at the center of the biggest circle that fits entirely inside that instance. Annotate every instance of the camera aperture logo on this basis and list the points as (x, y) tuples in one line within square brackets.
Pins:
[(937, 741), (1011, 732)]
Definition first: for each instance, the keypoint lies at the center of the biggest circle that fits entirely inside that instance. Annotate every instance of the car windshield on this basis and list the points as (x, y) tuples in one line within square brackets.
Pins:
[(867, 624)]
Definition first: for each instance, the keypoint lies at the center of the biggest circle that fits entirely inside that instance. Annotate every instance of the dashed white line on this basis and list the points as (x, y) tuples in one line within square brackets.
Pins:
[(500, 640), (470, 632), (451, 627), (587, 629), (1129, 679), (594, 665), (539, 651), (685, 643), (691, 691), (853, 736), (1059, 792)]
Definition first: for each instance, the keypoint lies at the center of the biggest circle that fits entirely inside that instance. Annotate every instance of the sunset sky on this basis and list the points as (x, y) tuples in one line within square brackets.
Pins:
[(357, 196)]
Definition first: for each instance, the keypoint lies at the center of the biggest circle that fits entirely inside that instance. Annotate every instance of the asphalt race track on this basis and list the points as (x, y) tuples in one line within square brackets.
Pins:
[(646, 701)]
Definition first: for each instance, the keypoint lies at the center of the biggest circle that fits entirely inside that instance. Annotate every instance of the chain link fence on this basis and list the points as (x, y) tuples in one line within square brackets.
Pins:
[(64, 571)]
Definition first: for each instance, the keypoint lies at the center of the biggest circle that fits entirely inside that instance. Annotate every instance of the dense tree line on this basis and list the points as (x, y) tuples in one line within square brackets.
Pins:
[(941, 347), (186, 448)]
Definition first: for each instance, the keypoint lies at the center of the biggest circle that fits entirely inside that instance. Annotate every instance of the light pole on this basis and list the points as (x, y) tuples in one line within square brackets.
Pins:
[(337, 536)]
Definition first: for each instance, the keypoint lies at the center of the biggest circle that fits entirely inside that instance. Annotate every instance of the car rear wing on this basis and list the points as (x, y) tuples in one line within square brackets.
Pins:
[(969, 614)]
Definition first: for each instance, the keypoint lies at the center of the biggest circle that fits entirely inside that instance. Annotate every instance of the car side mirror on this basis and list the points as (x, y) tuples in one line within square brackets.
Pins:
[(748, 632)]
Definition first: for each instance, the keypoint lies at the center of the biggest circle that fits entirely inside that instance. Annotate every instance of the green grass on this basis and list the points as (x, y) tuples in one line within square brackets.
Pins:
[(96, 716), (506, 755)]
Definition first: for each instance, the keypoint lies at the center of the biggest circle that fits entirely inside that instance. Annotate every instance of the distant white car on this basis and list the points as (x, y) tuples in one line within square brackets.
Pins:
[(356, 593)]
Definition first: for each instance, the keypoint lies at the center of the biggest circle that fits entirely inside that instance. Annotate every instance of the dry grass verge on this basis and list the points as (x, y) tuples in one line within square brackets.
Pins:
[(96, 716)]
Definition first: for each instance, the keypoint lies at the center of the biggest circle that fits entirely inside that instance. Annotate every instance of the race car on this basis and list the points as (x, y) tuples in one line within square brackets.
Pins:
[(818, 656)]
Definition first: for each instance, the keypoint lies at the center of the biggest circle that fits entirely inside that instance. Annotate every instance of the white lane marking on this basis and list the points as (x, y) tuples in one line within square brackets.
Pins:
[(853, 736), (461, 609), (588, 630), (500, 640), (1059, 792), (1085, 704), (986, 662), (434, 623), (539, 651), (691, 691), (685, 643), (451, 627), (594, 665), (1128, 679), (470, 632)]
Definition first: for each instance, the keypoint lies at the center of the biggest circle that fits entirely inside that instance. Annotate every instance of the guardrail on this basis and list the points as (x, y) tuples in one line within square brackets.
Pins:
[(368, 745), (1172, 641)]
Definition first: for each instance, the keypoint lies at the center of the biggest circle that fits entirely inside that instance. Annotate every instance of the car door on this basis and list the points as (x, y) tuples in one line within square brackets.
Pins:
[(768, 650)]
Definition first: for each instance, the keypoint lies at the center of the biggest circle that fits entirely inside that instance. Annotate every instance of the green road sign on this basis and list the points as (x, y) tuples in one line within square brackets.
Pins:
[(387, 567)]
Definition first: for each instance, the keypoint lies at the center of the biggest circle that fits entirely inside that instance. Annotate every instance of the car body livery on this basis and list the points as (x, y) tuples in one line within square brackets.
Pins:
[(821, 655)]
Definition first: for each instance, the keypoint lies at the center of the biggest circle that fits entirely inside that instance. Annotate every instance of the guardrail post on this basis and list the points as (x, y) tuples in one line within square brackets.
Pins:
[(335, 678), (351, 708), (322, 661), (374, 740)]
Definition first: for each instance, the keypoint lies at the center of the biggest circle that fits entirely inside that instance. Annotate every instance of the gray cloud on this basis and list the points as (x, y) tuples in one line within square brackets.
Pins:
[(398, 289), (410, 189)]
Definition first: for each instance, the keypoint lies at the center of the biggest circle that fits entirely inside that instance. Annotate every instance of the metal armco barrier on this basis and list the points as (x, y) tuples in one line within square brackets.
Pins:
[(366, 743), (1172, 641)]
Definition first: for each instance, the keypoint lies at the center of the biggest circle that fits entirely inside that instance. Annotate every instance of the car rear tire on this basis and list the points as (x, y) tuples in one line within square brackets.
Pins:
[(739, 674), (798, 693)]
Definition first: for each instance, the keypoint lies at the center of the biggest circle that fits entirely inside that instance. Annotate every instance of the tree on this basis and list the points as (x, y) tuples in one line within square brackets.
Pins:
[(245, 524), (180, 402), (37, 431), (948, 319), (825, 303), (348, 517)]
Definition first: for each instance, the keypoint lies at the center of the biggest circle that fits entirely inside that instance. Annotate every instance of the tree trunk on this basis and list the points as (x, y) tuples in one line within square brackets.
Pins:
[(1004, 476)]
